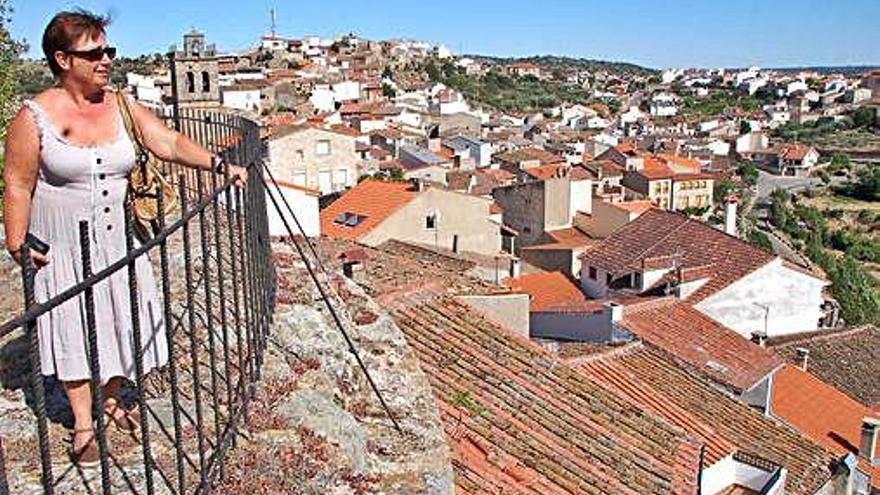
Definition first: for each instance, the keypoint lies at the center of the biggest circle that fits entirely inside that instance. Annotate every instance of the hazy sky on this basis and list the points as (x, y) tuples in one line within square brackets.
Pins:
[(654, 33)]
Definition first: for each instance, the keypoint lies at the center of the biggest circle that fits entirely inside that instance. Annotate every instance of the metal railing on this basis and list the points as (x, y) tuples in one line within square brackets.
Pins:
[(216, 284)]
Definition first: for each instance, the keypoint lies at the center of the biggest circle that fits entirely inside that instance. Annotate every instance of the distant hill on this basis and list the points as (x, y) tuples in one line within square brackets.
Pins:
[(844, 69), (552, 61)]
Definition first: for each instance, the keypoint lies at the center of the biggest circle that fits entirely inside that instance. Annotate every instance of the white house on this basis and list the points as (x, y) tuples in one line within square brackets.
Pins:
[(664, 105), (323, 98), (735, 283), (314, 158), (241, 97), (304, 203)]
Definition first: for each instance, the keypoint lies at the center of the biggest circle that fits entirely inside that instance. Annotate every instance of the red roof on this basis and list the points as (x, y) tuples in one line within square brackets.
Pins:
[(518, 422), (710, 347), (636, 207), (652, 378), (374, 200), (569, 238), (658, 238), (546, 289), (823, 413), (794, 151), (544, 172), (530, 154)]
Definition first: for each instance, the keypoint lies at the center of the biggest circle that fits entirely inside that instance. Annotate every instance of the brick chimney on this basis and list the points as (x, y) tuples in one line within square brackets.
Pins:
[(803, 355), (868, 446)]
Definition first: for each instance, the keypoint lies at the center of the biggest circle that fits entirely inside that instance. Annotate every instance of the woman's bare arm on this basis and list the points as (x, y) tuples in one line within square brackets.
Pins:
[(172, 146), (21, 164)]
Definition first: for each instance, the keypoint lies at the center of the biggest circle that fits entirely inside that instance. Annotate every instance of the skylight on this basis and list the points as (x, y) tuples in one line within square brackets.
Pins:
[(349, 219)]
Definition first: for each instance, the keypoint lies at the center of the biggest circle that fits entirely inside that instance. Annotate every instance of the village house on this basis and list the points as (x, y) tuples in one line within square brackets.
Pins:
[(729, 280), (375, 211), (315, 158), (672, 182), (525, 69), (521, 159), (795, 160)]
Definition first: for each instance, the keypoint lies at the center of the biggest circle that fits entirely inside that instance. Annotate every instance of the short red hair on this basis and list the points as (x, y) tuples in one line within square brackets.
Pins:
[(66, 28)]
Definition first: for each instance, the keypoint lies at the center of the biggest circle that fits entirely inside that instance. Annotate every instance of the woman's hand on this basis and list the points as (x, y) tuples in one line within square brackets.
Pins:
[(38, 259), (238, 175)]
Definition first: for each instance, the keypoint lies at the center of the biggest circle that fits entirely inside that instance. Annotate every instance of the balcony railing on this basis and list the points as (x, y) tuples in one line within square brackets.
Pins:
[(216, 280)]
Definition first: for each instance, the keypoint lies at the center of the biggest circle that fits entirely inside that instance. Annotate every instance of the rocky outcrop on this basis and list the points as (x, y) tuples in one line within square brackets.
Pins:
[(317, 426)]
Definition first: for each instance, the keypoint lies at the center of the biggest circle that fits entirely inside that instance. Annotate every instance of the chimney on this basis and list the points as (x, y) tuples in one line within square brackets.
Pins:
[(803, 355), (868, 445), (730, 215), (615, 310), (514, 267), (759, 338)]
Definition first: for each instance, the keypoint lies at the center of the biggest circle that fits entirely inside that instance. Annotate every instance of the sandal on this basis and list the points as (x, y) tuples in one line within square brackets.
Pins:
[(88, 455), (128, 423)]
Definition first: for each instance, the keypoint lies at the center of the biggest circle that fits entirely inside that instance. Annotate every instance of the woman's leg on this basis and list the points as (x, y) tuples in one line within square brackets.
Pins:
[(79, 394), (112, 401)]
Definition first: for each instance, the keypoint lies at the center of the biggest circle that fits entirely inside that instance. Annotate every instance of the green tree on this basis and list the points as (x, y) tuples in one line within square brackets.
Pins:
[(387, 74), (749, 173), (432, 71), (856, 292), (388, 91), (864, 117), (745, 127), (10, 64)]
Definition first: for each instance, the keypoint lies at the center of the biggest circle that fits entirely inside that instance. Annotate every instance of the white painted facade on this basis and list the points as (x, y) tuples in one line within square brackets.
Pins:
[(789, 299), (303, 202), (241, 99), (323, 99), (347, 91)]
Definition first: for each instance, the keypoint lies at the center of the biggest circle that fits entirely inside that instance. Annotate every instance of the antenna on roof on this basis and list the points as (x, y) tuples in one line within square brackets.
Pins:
[(272, 15)]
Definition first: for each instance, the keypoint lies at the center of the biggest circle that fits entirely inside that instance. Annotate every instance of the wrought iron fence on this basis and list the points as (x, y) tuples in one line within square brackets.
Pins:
[(216, 282)]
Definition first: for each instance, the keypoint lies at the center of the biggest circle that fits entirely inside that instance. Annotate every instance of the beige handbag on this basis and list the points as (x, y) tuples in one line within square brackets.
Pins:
[(145, 181)]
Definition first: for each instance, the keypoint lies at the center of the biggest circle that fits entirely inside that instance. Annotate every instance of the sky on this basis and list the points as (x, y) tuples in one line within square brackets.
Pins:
[(652, 33)]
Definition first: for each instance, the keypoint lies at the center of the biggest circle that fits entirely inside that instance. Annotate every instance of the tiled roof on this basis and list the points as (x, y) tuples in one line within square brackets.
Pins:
[(546, 289), (848, 360), (636, 206), (821, 412), (568, 238), (708, 346), (373, 199), (544, 172), (660, 237), (651, 378), (794, 151), (606, 168), (529, 154), (458, 180), (520, 422)]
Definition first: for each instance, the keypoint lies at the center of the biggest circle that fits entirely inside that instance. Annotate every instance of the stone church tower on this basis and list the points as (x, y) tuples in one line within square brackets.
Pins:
[(197, 71)]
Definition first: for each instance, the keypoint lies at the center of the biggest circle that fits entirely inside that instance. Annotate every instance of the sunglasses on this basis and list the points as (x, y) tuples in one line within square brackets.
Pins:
[(95, 54)]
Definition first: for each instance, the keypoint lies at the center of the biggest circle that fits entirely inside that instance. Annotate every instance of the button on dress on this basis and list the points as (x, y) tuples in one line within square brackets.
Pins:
[(89, 183)]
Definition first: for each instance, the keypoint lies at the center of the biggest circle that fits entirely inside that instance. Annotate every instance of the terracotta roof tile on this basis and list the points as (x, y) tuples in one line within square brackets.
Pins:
[(547, 289), (821, 412), (529, 154), (794, 151), (544, 172), (662, 235), (849, 360), (717, 351), (652, 378), (374, 200), (519, 422)]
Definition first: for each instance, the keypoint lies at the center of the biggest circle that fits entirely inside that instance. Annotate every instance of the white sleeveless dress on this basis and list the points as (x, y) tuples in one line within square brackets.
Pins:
[(89, 183)]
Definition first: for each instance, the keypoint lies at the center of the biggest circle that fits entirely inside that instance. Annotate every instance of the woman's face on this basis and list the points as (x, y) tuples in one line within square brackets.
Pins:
[(87, 62)]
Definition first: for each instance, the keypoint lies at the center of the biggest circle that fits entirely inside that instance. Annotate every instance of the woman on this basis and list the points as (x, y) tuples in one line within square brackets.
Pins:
[(67, 159)]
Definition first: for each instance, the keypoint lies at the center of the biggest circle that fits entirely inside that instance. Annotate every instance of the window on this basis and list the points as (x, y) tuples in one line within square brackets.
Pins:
[(300, 155), (637, 280), (190, 82), (608, 279), (340, 177), (593, 273), (299, 179), (322, 148), (431, 221), (349, 219), (206, 82)]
